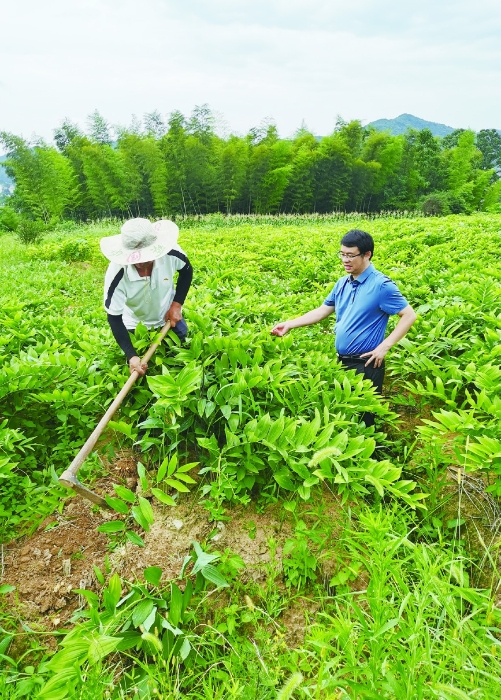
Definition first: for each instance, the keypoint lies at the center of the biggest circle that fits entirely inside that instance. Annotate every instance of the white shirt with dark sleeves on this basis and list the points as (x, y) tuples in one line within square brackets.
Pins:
[(144, 299)]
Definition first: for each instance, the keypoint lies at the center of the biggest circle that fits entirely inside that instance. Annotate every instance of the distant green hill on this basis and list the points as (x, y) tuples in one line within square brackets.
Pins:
[(400, 124)]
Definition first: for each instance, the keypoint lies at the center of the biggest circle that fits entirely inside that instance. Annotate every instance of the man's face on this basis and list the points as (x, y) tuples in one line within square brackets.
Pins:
[(353, 261), (143, 266)]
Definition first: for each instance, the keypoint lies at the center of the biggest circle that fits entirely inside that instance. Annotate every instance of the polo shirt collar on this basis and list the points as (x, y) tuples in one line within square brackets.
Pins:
[(134, 275), (364, 275)]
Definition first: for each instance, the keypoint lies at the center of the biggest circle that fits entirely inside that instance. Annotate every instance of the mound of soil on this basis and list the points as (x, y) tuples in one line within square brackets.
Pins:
[(50, 567)]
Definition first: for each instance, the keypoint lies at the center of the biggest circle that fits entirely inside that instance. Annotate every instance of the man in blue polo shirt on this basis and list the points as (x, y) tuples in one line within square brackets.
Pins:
[(363, 300)]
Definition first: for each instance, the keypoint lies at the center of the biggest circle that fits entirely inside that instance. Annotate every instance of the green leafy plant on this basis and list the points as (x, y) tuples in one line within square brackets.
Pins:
[(151, 619), (30, 231), (269, 421), (9, 220), (128, 503), (300, 456)]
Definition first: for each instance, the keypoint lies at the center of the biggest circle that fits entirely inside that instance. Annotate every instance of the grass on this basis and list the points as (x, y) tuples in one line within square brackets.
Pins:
[(395, 603)]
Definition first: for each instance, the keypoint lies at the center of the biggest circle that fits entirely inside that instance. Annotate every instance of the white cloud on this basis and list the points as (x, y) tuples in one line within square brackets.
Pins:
[(290, 60)]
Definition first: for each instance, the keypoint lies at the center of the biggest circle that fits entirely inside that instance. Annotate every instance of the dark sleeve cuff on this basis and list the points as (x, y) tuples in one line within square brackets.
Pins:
[(121, 335), (184, 279)]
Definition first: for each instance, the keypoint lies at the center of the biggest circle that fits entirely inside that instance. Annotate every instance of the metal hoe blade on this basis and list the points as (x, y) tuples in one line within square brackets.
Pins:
[(69, 477)]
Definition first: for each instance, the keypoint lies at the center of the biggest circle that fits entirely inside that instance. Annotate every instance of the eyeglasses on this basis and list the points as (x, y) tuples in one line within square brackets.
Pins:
[(348, 256)]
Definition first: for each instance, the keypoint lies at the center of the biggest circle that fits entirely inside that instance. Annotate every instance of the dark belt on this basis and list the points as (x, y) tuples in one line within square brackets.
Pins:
[(351, 357)]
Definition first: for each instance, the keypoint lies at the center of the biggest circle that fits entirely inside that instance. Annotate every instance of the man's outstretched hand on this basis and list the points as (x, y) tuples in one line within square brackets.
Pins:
[(281, 328)]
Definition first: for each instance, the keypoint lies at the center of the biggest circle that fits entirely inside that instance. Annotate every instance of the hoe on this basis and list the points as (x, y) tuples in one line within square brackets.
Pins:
[(69, 477)]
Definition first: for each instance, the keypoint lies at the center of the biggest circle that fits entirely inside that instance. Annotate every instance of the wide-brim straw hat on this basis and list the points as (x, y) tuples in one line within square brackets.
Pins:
[(140, 241)]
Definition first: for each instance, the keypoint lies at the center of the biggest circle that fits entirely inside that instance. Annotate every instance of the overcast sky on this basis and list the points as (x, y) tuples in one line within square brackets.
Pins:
[(291, 60)]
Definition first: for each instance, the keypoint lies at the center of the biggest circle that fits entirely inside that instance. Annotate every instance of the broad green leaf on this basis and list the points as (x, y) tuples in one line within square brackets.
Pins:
[(340, 441), (4, 644), (56, 687), (386, 627), (212, 574), (125, 493), (167, 625), (202, 558), (185, 649), (209, 444), (283, 479), (299, 469), (146, 510), (185, 477), (150, 620), (172, 464), (176, 605), (188, 593), (101, 646), (122, 427), (177, 485), (115, 588), (276, 430), (111, 527), (142, 476), (262, 427), (324, 437), (138, 516), (128, 640), (163, 497), (134, 538), (376, 483), (233, 423), (141, 611), (153, 574), (187, 467), (117, 504), (304, 492), (69, 656), (305, 436), (162, 471), (90, 596)]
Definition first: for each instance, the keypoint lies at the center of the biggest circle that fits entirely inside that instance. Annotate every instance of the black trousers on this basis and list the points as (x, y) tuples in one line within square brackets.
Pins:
[(181, 330), (375, 374)]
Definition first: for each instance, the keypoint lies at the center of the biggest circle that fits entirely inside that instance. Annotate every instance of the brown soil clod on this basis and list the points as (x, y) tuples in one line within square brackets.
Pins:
[(58, 560)]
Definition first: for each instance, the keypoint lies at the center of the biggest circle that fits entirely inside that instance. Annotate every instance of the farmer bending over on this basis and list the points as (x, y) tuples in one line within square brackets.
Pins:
[(139, 282), (363, 301)]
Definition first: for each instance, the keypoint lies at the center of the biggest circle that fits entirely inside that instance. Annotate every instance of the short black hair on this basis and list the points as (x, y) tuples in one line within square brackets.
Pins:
[(359, 239)]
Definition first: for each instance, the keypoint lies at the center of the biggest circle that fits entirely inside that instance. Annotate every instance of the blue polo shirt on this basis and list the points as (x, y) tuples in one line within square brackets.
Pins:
[(363, 307)]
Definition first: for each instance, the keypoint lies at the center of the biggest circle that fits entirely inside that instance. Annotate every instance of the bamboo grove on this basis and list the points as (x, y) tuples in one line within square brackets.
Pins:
[(183, 166)]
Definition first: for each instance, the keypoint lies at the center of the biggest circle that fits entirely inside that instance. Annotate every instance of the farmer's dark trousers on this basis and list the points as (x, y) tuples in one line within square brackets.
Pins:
[(375, 374), (181, 330)]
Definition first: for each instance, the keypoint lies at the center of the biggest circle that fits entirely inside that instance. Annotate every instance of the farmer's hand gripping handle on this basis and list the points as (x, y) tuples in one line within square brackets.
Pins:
[(69, 477)]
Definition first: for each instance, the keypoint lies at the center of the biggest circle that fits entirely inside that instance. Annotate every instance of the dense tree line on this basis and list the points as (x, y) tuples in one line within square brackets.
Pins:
[(182, 166)]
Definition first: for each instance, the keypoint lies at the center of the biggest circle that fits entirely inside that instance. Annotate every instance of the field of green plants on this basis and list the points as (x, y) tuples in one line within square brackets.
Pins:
[(392, 551)]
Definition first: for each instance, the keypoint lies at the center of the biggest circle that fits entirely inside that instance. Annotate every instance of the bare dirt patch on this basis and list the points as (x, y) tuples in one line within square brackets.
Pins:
[(47, 567), (59, 558)]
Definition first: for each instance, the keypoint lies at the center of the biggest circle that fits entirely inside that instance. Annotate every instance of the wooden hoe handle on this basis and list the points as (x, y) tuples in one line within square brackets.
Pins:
[(69, 477)]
